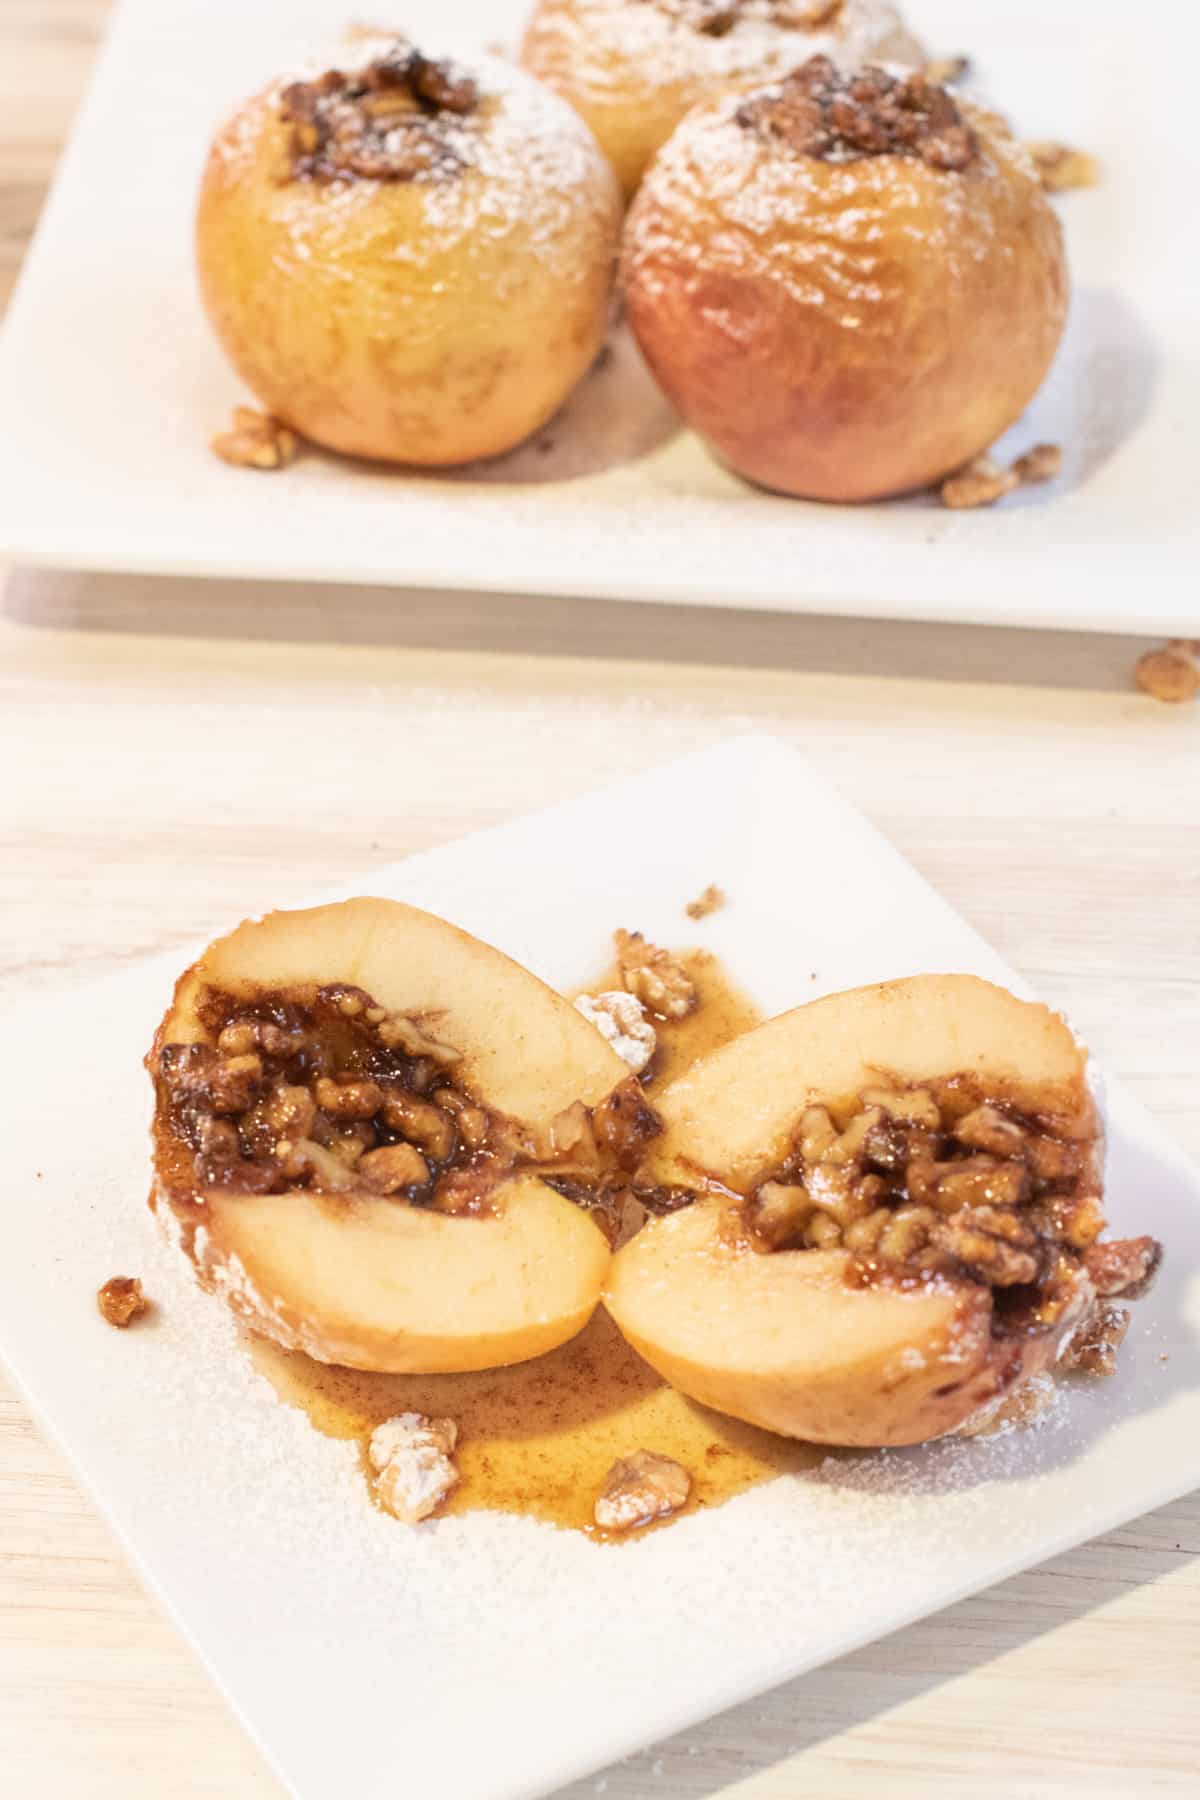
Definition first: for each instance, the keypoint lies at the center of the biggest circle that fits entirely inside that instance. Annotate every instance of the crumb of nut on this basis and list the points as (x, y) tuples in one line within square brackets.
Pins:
[(412, 1460), (1171, 674), (640, 1489), (984, 481), (980, 483), (1043, 463), (1095, 1342), (621, 1018), (257, 441), (1060, 167), (947, 71), (710, 901), (658, 979), (1027, 1404), (121, 1301)]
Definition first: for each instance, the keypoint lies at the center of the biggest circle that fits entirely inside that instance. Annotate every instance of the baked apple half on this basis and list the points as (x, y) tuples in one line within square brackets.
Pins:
[(408, 259), (386, 1144), (879, 1214), (634, 68), (849, 284)]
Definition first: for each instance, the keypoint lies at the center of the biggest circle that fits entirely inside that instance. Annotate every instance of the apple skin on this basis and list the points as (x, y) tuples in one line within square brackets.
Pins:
[(784, 1340), (844, 331), (380, 1284), (427, 322)]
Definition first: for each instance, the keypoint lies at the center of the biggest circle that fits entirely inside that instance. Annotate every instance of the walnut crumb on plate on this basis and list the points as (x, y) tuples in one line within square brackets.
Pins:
[(413, 1462), (121, 1301), (984, 481), (710, 901), (659, 980), (256, 441), (640, 1489)]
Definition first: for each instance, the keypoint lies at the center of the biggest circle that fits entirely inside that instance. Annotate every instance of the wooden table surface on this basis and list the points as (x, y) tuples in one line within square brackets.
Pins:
[(160, 741)]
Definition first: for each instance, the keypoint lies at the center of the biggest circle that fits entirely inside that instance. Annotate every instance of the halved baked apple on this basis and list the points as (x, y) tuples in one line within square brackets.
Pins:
[(880, 1213), (384, 1143)]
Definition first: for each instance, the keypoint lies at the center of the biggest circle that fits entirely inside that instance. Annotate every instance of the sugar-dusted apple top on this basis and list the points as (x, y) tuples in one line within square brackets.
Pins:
[(400, 116), (387, 1144), (633, 68), (840, 116)]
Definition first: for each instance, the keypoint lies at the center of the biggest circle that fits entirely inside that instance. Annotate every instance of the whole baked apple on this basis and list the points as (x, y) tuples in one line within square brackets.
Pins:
[(849, 285), (406, 259)]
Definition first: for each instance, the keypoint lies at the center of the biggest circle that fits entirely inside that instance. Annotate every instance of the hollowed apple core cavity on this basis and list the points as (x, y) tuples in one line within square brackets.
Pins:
[(951, 1178)]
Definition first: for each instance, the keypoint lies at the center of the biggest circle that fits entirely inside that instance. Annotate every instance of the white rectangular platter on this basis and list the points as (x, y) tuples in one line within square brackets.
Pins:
[(492, 1658), (111, 385)]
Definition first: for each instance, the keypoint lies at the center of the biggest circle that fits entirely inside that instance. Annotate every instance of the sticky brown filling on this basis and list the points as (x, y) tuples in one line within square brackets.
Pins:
[(951, 1179), (717, 18), (322, 1088), (393, 120), (823, 112)]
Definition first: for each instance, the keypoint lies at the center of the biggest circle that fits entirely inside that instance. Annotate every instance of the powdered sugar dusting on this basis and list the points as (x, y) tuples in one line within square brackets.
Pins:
[(528, 162), (613, 45)]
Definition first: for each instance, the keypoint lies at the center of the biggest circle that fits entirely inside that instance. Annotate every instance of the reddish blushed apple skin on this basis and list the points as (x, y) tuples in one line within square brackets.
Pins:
[(844, 330)]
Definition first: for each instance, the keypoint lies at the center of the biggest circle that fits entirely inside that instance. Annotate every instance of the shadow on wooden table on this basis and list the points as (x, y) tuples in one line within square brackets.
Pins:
[(908, 1668), (540, 626)]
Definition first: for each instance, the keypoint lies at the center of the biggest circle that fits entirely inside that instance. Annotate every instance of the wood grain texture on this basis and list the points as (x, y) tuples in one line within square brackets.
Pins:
[(178, 754)]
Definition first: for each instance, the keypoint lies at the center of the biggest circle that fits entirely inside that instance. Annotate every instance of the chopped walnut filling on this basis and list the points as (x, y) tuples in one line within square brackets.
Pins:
[(640, 1489), (385, 122), (121, 1301), (950, 1179), (717, 18), (321, 1088), (1093, 1349), (823, 112), (659, 980)]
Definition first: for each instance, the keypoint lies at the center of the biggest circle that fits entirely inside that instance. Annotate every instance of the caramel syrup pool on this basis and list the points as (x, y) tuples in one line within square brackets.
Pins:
[(540, 1438)]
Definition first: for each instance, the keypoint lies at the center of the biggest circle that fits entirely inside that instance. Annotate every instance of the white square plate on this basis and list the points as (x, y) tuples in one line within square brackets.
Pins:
[(488, 1657), (111, 385)]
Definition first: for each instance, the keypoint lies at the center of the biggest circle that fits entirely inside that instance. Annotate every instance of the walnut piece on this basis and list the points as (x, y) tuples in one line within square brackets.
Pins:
[(710, 901), (412, 1460), (1125, 1268), (947, 71), (1171, 674), (658, 979), (121, 1301), (256, 441), (984, 481), (1022, 1405), (1093, 1349), (1060, 167), (640, 1489), (621, 1020)]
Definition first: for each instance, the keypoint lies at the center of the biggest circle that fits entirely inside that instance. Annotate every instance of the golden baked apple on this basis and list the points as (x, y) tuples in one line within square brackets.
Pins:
[(384, 1143), (888, 1216), (633, 68), (409, 260), (849, 285)]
